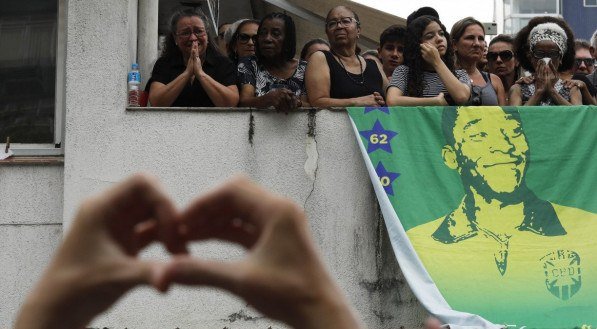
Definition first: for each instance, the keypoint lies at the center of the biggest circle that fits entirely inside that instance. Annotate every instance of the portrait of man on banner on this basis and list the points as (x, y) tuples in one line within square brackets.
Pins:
[(502, 241)]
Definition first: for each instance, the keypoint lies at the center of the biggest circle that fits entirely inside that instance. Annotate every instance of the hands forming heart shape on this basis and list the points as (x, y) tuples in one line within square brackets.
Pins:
[(282, 274)]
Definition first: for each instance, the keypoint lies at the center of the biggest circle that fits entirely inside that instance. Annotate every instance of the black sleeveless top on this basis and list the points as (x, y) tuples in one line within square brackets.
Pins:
[(342, 86)]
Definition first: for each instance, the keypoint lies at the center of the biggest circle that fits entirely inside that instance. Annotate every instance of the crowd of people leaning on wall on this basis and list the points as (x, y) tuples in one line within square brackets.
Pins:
[(253, 64)]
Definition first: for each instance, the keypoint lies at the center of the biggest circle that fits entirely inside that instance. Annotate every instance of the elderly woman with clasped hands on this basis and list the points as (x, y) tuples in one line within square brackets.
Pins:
[(190, 71)]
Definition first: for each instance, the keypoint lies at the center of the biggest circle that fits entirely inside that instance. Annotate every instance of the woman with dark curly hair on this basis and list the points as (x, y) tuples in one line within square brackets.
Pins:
[(190, 70), (428, 76), (545, 47)]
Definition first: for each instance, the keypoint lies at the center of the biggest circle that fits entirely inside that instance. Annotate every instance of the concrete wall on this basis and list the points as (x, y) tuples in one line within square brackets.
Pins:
[(30, 230), (191, 152)]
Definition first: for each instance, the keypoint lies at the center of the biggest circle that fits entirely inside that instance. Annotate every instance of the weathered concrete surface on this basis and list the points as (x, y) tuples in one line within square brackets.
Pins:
[(191, 152), (26, 249), (31, 194), (30, 230)]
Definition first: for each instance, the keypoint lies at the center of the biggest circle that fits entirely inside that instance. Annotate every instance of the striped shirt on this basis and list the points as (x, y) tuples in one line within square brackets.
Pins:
[(432, 84)]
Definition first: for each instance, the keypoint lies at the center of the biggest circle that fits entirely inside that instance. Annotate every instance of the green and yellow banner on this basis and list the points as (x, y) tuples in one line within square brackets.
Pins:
[(492, 211)]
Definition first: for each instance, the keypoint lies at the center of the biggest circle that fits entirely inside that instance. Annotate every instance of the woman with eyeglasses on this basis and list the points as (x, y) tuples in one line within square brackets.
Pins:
[(341, 77), (428, 77), (545, 47), (273, 77), (468, 38), (243, 40), (501, 61), (190, 71)]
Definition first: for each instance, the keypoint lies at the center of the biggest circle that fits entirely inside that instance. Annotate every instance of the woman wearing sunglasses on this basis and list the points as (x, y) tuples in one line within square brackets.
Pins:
[(501, 61), (273, 77), (468, 38), (545, 47), (341, 76), (243, 40), (190, 70)]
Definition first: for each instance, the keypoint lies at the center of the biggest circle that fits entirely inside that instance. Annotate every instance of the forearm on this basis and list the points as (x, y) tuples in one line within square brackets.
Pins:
[(340, 102), (587, 98), (220, 95), (558, 99), (51, 305), (459, 91), (535, 99), (256, 101), (412, 101), (167, 94)]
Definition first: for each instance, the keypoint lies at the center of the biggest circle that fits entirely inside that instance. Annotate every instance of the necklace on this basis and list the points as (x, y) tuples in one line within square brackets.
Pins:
[(360, 83)]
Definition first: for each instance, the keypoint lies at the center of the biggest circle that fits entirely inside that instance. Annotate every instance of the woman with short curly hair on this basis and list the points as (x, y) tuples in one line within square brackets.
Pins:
[(545, 47)]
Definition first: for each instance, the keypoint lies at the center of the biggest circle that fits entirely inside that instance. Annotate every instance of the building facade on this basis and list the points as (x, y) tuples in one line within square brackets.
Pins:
[(581, 15), (98, 142)]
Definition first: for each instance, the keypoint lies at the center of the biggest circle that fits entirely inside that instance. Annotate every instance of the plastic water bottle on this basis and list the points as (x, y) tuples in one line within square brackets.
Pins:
[(134, 81)]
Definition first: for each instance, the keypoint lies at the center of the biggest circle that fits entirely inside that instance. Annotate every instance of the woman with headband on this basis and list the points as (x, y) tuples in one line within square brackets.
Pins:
[(545, 47)]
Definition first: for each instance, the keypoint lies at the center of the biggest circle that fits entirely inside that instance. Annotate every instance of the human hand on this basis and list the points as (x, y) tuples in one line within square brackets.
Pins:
[(432, 323), (96, 263), (283, 99), (375, 99), (525, 80), (570, 84), (440, 100), (282, 275), (197, 65), (430, 54), (379, 99)]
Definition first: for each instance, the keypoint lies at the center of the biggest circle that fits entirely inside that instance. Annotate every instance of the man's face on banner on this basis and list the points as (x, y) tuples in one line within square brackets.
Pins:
[(491, 149)]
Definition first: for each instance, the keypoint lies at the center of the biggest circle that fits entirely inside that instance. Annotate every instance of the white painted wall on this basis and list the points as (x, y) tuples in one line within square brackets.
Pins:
[(30, 230), (191, 152)]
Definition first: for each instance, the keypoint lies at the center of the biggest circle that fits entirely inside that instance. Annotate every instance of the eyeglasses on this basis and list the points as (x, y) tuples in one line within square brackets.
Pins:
[(588, 62), (543, 54), (221, 35), (345, 21), (505, 55), (244, 38), (187, 33)]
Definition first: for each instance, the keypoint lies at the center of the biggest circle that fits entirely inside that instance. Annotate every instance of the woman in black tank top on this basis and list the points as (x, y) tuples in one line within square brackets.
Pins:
[(341, 77)]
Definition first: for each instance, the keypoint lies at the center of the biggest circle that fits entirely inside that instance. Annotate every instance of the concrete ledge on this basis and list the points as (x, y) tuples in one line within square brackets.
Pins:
[(231, 109), (33, 160)]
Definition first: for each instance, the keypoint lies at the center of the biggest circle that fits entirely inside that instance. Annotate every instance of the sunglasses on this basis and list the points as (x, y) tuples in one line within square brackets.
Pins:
[(244, 38), (588, 61), (554, 55), (505, 55)]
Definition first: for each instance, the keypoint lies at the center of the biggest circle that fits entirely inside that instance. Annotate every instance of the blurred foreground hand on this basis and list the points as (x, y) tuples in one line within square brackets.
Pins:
[(282, 275)]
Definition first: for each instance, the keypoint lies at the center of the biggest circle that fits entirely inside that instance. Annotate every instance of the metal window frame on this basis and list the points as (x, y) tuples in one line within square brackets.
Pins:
[(57, 148), (589, 6)]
